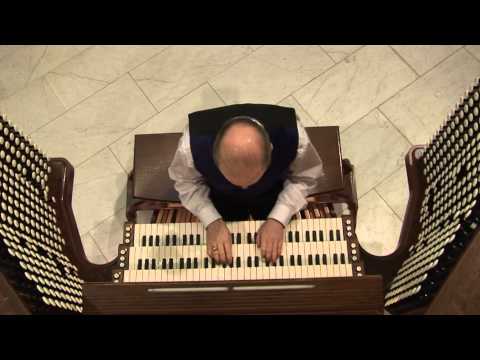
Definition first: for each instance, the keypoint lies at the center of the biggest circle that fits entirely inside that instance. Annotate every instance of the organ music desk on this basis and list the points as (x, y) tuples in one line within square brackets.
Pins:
[(161, 267)]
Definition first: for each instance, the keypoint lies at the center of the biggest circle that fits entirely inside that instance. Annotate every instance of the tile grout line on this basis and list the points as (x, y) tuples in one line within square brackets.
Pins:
[(394, 126), (100, 223), (118, 161), (388, 205), (141, 90), (404, 61), (326, 52), (472, 54), (215, 91), (27, 83), (381, 181), (97, 247)]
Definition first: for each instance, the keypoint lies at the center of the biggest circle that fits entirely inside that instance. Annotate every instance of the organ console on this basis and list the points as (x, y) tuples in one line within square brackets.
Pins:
[(162, 267)]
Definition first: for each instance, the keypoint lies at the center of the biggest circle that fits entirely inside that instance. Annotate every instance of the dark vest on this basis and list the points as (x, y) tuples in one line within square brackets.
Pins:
[(281, 125)]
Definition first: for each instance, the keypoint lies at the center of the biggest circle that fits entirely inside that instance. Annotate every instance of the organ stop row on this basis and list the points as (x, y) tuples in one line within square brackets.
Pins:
[(162, 266)]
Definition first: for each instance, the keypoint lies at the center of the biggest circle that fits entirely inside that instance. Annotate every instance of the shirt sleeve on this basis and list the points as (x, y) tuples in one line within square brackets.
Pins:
[(305, 172), (190, 184)]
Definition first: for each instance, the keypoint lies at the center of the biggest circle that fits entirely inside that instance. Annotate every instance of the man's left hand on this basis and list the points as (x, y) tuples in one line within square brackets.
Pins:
[(270, 239)]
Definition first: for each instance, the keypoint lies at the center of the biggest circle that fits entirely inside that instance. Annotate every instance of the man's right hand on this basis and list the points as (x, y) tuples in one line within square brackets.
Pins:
[(219, 246)]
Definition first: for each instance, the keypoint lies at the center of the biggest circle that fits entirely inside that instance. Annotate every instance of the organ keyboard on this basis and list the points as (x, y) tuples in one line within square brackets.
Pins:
[(176, 252)]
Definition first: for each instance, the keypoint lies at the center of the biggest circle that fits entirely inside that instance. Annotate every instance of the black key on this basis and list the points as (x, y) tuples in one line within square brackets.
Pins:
[(167, 240), (192, 240), (342, 258), (195, 263), (297, 236), (164, 264), (213, 263), (267, 263), (324, 259), (249, 261), (330, 232), (198, 239), (170, 263), (335, 259), (275, 263), (249, 238), (154, 264), (150, 240), (184, 239), (255, 238), (174, 240), (321, 235), (307, 236), (147, 265), (139, 264), (224, 265), (310, 259), (182, 263), (157, 240), (314, 236), (233, 238), (317, 259), (189, 263), (238, 262), (239, 238), (256, 261), (144, 240), (174, 216), (281, 260), (338, 235), (299, 260), (205, 263), (290, 236), (292, 260)]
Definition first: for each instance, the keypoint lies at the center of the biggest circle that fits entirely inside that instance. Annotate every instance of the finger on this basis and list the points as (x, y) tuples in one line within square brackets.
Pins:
[(259, 239), (279, 248), (228, 252), (221, 253), (274, 251), (263, 248), (270, 250)]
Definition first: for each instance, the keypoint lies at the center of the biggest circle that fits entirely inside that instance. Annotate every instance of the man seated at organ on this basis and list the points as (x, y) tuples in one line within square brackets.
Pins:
[(245, 160)]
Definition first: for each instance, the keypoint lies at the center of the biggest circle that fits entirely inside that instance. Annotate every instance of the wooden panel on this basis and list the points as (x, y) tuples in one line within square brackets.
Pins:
[(10, 303), (329, 296)]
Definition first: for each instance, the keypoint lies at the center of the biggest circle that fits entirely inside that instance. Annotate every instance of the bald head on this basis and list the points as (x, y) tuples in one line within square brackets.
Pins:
[(243, 152)]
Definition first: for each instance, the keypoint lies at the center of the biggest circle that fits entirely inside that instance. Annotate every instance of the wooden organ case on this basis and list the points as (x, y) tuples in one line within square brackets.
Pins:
[(162, 267)]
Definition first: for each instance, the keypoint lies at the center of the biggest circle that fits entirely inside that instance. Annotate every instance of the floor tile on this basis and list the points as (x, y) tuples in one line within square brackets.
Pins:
[(172, 119), (93, 253), (378, 228), (99, 190), (9, 49), (305, 119), (95, 68), (32, 106), (96, 122), (109, 234), (424, 57), (353, 87), (180, 69), (420, 109), (375, 148), (28, 63), (271, 73), (339, 52), (475, 50), (394, 191)]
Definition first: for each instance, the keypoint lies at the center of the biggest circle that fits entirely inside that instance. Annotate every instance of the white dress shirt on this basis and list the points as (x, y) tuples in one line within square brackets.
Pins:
[(306, 172)]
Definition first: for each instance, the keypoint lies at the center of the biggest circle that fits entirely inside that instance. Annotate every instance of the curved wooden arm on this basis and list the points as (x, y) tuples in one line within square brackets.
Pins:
[(60, 183), (388, 265)]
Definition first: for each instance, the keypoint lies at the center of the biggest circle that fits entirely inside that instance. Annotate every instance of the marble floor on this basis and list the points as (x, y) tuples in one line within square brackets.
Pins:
[(86, 103)]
